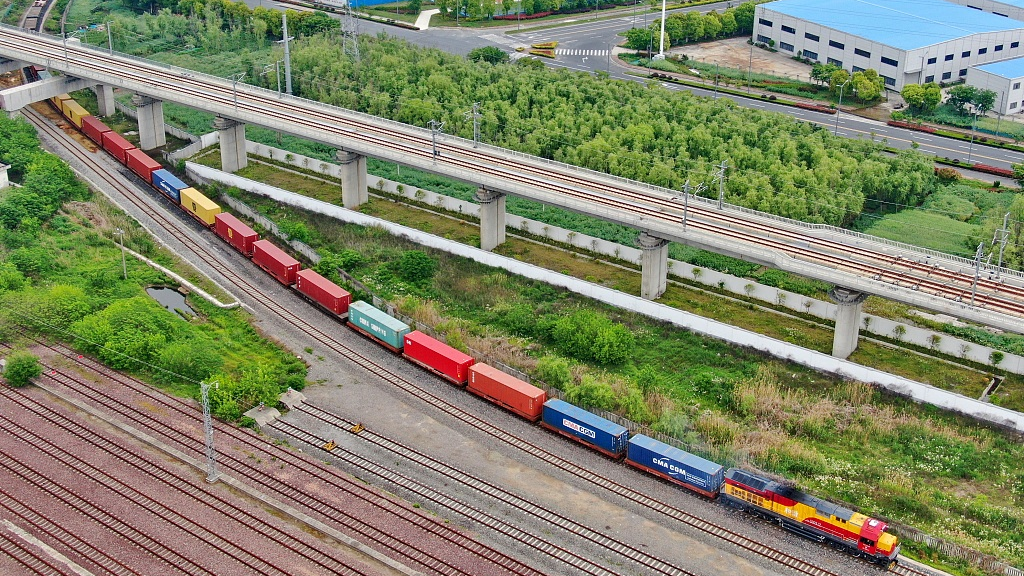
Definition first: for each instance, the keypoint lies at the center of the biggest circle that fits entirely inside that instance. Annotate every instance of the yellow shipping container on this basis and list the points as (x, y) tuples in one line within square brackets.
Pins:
[(58, 99), (199, 205), (74, 112)]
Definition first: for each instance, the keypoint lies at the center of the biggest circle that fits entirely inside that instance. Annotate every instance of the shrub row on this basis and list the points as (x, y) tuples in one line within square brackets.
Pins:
[(911, 126)]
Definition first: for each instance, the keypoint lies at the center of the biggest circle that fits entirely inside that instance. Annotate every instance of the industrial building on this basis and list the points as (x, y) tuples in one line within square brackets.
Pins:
[(926, 41), (1008, 8), (1006, 79)]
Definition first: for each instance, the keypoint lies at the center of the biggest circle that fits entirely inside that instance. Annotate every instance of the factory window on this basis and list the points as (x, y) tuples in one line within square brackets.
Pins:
[(963, 72), (1016, 85), (1014, 44), (835, 44), (975, 7), (858, 69), (810, 55), (966, 54), (810, 36), (835, 62), (763, 39), (998, 14), (948, 57), (786, 46), (982, 51), (928, 79), (932, 60), (889, 61), (1013, 105), (947, 75), (999, 48), (764, 22), (789, 29), (863, 53), (889, 81)]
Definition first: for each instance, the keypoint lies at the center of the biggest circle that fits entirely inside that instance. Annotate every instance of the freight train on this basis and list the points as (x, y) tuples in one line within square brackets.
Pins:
[(798, 512)]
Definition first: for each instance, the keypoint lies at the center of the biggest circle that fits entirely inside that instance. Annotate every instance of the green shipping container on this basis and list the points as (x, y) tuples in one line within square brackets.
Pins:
[(377, 325)]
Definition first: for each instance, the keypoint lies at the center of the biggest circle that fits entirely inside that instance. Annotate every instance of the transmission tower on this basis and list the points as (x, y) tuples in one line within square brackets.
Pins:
[(211, 454), (1000, 237), (349, 34)]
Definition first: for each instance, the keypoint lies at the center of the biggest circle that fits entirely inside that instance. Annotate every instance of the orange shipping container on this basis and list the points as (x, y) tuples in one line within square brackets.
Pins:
[(507, 391)]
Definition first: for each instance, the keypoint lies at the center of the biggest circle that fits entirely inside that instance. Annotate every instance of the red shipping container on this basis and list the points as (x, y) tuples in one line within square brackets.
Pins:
[(323, 291), (235, 232), (94, 129), (275, 261), (117, 146), (508, 391), (438, 357), (140, 163)]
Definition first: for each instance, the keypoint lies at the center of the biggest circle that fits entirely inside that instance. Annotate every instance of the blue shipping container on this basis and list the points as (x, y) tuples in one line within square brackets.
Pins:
[(169, 184), (674, 464), (585, 427), (377, 324)]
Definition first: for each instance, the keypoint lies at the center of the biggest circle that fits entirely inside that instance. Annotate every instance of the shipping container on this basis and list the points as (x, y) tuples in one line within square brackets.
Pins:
[(198, 205), (140, 163), (235, 232), (169, 184), (272, 259), (94, 129), (438, 357), (671, 463), (117, 145), (74, 111), (322, 291), (577, 424), (58, 101), (507, 391), (377, 325)]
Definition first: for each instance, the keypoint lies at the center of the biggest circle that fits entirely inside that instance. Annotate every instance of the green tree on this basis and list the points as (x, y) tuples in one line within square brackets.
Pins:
[(822, 73), (22, 367), (960, 96), (416, 267), (838, 78), (590, 393), (414, 6), (554, 371), (587, 335), (729, 25), (983, 101), (867, 85), (922, 98), (692, 26), (712, 25), (489, 54), (639, 38), (744, 15)]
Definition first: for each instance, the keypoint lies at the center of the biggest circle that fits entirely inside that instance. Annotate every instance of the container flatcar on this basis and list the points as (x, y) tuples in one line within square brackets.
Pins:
[(117, 146), (235, 232), (374, 324), (169, 184), (438, 357), (275, 261), (323, 292), (811, 517), (94, 129), (586, 428), (197, 204), (140, 163), (693, 472), (506, 390)]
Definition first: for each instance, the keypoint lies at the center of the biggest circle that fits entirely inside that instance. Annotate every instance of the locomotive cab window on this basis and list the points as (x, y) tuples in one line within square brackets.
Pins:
[(866, 542)]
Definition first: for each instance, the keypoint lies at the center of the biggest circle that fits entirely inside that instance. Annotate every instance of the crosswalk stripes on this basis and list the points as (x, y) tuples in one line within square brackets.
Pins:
[(501, 39), (580, 52)]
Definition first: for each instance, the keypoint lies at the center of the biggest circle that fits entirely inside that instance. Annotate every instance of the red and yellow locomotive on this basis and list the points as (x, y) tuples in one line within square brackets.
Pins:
[(811, 517)]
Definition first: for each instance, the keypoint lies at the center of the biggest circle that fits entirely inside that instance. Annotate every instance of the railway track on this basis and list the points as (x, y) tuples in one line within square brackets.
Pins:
[(436, 402), (868, 261)]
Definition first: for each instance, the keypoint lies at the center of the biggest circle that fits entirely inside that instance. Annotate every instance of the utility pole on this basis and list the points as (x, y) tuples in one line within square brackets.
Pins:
[(977, 270), (287, 54), (124, 265), (110, 38), (1001, 237), (211, 454), (235, 79), (750, 66), (661, 39), (720, 176), (475, 115), (974, 127), (716, 80), (839, 109), (435, 128), (686, 199)]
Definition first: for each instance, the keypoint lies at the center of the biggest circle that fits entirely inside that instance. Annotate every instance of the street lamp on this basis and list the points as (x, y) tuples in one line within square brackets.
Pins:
[(839, 108), (124, 265), (974, 127)]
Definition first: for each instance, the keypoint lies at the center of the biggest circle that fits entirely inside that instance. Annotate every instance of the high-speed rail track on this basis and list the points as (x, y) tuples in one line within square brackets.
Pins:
[(921, 278)]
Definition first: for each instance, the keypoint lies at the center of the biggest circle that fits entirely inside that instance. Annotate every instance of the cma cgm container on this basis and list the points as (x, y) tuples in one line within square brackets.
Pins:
[(117, 145), (438, 357), (142, 164), (377, 325), (577, 424), (322, 291), (275, 261), (74, 111), (506, 390), (671, 463), (169, 184), (235, 232), (198, 205), (94, 129)]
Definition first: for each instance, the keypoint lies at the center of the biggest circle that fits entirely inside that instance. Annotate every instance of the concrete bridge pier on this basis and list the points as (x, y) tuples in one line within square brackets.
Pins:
[(104, 99), (151, 122), (492, 218), (653, 265), (353, 179), (848, 316), (232, 144)]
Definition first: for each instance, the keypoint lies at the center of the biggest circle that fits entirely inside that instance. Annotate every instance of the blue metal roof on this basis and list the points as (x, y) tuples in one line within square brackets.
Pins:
[(1013, 68), (905, 24)]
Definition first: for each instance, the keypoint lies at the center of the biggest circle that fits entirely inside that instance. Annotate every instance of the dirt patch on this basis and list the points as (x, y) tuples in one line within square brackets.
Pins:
[(736, 53), (87, 211)]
